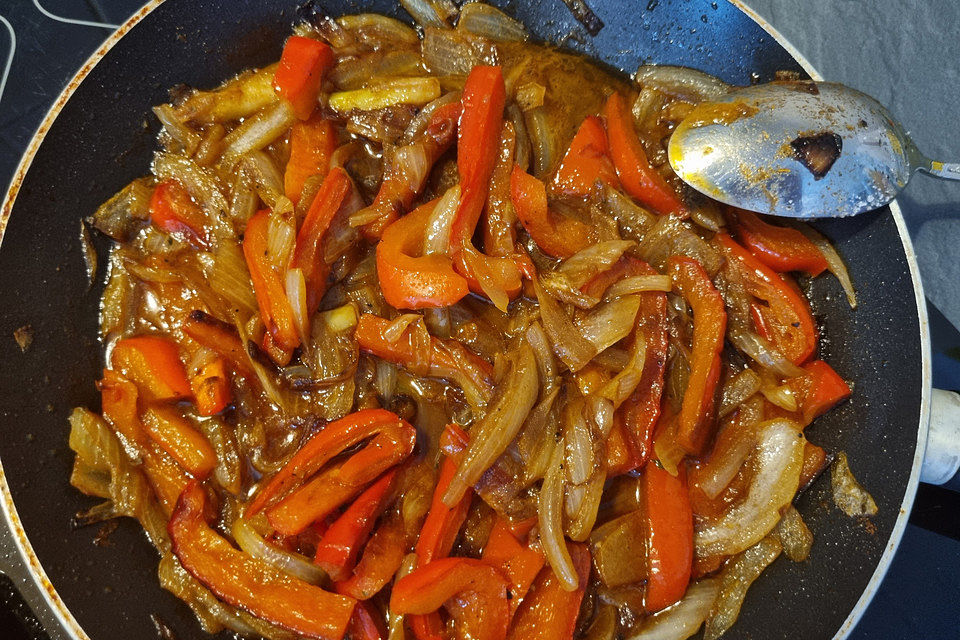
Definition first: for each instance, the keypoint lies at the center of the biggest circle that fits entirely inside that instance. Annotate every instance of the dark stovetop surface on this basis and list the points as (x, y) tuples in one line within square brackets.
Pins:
[(47, 40)]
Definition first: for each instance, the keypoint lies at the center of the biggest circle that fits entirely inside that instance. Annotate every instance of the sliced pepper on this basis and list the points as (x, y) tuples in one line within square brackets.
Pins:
[(473, 592), (211, 388), (409, 281), (484, 96), (519, 562), (275, 309), (785, 316), (327, 443), (587, 161), (217, 336), (380, 561), (173, 211), (153, 363), (466, 366), (366, 623), (175, 435), (636, 175), (709, 327), (550, 612), (499, 232), (249, 583), (312, 143), (823, 389), (780, 248), (303, 65), (556, 235), (339, 548), (670, 535), (408, 172), (308, 251)]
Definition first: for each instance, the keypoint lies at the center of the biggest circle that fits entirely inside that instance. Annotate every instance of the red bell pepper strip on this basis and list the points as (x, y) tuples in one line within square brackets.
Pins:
[(484, 96), (550, 612), (709, 327), (408, 172), (172, 210), (786, 316), (621, 456), (249, 583), (268, 286), (556, 235), (367, 623), (303, 65), (380, 561), (327, 443), (638, 178), (175, 435), (442, 364), (670, 536), (587, 161), (517, 561), (217, 336), (338, 550), (308, 251), (409, 281), (824, 389), (312, 143), (474, 593), (780, 248), (153, 363), (211, 388)]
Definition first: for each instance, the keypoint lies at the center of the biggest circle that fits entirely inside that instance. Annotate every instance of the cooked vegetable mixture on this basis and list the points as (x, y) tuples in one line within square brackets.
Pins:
[(416, 332)]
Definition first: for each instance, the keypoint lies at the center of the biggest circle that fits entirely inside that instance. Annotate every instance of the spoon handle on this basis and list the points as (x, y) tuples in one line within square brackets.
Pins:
[(946, 170)]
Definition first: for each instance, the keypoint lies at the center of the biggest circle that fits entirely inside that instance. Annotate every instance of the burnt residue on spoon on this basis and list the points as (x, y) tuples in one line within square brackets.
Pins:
[(817, 152)]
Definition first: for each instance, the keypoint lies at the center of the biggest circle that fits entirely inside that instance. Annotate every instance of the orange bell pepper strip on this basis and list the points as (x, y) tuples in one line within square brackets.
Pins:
[(442, 364), (814, 462), (367, 623), (669, 537), (473, 592), (250, 583), (410, 281), (550, 612), (380, 561), (172, 210), (153, 363), (329, 442), (517, 561), (556, 235), (312, 143), (408, 173), (303, 66), (586, 162), (442, 524), (308, 250), (824, 389), (217, 336), (211, 388), (339, 548), (709, 327), (621, 456), (268, 286), (638, 178), (499, 232), (785, 317), (478, 137), (780, 248), (175, 435)]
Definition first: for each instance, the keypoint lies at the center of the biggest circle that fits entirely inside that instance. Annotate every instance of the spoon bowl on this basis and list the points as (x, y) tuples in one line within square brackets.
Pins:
[(800, 149)]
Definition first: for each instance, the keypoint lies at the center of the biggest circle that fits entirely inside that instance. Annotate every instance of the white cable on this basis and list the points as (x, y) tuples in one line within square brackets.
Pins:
[(85, 23), (13, 47)]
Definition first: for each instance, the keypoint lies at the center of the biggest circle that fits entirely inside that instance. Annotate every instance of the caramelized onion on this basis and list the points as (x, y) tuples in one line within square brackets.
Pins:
[(291, 563), (681, 620), (685, 83), (735, 579)]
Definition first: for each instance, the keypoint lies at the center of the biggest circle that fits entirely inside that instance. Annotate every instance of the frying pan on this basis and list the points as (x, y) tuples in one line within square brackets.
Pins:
[(100, 135)]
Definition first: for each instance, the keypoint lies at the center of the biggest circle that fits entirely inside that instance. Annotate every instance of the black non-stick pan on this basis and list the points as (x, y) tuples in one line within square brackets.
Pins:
[(100, 135)]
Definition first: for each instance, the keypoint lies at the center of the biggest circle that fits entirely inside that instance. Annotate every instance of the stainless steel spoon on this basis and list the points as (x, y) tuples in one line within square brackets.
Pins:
[(801, 149)]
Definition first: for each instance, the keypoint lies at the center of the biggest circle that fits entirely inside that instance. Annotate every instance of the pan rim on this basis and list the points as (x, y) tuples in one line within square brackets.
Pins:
[(48, 595)]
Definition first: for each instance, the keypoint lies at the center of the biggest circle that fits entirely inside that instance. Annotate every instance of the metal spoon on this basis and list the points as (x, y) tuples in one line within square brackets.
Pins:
[(800, 149)]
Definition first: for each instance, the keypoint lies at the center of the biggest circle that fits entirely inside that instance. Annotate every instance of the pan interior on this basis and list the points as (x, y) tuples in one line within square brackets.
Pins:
[(104, 137)]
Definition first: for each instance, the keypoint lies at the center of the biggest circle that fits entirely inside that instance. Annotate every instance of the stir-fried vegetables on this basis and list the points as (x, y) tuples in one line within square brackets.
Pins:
[(362, 384)]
